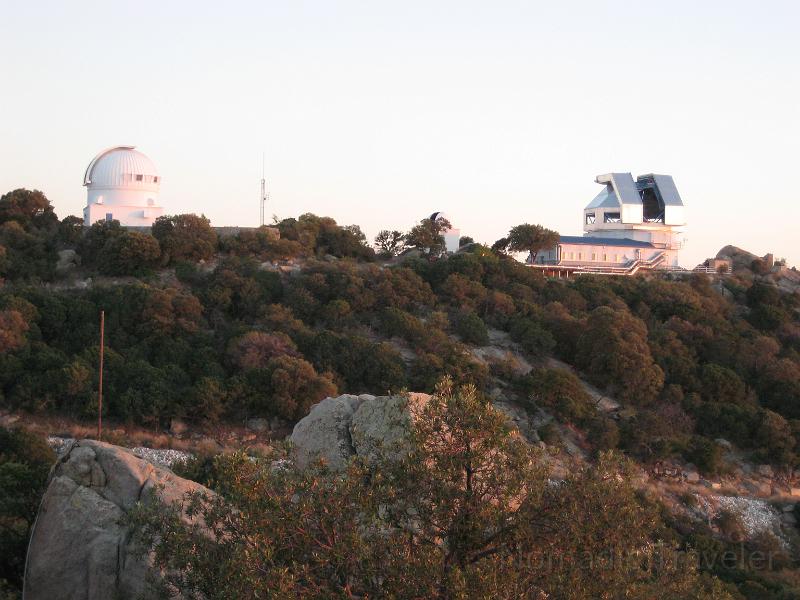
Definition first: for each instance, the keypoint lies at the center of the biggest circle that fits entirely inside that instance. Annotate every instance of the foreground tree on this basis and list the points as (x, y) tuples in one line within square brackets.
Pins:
[(532, 239), (460, 508)]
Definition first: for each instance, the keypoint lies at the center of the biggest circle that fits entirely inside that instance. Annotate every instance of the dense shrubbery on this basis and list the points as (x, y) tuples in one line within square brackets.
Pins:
[(225, 341), (25, 461), (464, 512)]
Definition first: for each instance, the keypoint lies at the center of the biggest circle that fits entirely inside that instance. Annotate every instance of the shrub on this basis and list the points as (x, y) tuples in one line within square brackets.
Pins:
[(185, 237), (558, 391), (25, 461), (471, 329)]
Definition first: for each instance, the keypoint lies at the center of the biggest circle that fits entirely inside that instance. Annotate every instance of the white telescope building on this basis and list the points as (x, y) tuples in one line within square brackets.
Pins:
[(122, 184), (631, 225)]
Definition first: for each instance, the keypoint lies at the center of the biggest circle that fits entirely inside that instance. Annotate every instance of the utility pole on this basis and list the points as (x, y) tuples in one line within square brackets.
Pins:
[(100, 386)]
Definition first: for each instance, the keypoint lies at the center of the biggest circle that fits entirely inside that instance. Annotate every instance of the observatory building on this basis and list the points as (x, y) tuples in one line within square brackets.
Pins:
[(451, 236), (630, 225), (122, 184)]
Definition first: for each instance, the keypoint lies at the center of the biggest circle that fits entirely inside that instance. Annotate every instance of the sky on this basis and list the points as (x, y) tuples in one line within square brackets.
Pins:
[(380, 113)]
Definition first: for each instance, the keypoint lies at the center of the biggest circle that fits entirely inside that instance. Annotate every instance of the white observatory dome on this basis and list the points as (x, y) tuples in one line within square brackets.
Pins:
[(122, 184)]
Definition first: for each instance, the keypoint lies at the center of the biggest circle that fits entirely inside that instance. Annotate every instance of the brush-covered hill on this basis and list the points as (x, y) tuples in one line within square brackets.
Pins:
[(664, 368)]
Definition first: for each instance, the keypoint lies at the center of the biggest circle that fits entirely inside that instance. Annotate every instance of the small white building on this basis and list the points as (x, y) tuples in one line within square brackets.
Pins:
[(122, 184), (629, 225), (452, 236)]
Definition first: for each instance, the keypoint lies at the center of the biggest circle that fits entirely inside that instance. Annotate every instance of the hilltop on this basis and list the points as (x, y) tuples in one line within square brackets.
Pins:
[(229, 342)]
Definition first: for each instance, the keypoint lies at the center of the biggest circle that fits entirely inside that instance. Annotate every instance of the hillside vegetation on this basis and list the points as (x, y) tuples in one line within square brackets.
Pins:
[(223, 330)]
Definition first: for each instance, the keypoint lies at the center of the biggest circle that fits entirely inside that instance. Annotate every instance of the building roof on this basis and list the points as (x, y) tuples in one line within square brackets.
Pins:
[(664, 185), (118, 167), (600, 241)]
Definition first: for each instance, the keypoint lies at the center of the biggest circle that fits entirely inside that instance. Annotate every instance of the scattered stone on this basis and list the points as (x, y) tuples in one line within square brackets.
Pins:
[(692, 477), (276, 424), (7, 420), (765, 470), (178, 427), (756, 516), (165, 457), (259, 425), (67, 260), (764, 488)]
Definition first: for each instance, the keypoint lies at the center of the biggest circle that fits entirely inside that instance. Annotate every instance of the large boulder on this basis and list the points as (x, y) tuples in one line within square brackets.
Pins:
[(81, 545), (324, 434), (339, 428)]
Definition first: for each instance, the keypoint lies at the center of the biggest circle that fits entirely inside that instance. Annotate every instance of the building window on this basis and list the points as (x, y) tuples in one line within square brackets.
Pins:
[(155, 179), (605, 258), (109, 217), (594, 256), (571, 255), (139, 177), (580, 255), (610, 217), (589, 218), (616, 258)]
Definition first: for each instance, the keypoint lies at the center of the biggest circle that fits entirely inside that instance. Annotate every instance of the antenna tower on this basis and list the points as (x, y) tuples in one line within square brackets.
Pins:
[(263, 190)]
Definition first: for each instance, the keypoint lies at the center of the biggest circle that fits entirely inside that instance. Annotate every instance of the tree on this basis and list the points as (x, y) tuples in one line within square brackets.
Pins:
[(427, 236), (70, 230), (532, 239), (254, 349), (12, 330), (25, 460), (465, 240), (92, 244), (471, 329), (31, 209), (185, 237), (458, 507), (129, 253), (501, 246), (389, 243), (614, 352)]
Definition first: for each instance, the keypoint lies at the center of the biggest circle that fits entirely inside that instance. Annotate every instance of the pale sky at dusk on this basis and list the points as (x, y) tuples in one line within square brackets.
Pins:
[(380, 113)]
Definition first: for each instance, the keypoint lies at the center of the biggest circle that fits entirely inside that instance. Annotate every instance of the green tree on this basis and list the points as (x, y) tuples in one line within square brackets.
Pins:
[(471, 329), (614, 352), (25, 461), (70, 231), (129, 253), (31, 209), (389, 243), (427, 236), (91, 245), (13, 328), (532, 239), (185, 237), (458, 508)]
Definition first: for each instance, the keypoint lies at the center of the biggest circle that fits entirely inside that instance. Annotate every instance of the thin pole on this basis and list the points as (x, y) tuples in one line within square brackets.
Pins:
[(100, 386)]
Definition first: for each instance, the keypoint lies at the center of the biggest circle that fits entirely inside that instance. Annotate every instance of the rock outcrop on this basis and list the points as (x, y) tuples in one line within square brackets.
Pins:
[(338, 428), (81, 545)]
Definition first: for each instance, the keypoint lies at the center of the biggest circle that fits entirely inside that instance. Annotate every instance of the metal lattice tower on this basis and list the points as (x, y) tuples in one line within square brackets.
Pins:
[(264, 196)]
